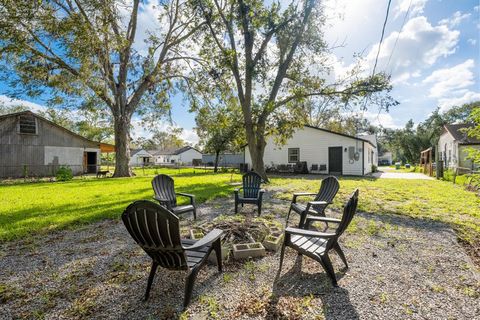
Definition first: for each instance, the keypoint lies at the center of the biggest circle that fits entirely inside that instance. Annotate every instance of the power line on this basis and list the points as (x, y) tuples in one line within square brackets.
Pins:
[(381, 38), (398, 35)]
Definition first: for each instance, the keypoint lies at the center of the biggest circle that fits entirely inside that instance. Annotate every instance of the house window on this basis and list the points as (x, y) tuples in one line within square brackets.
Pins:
[(27, 124), (293, 154)]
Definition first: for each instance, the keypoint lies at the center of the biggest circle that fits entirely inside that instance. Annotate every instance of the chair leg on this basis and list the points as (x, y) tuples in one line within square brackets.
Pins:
[(288, 216), (339, 251), (236, 206), (259, 209), (282, 253), (194, 213), (329, 269), (303, 217), (150, 279), (189, 281), (217, 246)]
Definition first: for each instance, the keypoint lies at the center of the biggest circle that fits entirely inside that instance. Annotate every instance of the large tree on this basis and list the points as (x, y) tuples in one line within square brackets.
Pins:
[(220, 129), (273, 55), (85, 49)]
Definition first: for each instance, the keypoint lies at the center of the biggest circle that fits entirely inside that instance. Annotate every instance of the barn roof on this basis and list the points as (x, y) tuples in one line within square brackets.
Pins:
[(104, 147), (458, 134)]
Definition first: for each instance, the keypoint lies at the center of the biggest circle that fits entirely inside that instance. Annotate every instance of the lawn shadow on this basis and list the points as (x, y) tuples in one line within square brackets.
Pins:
[(296, 283)]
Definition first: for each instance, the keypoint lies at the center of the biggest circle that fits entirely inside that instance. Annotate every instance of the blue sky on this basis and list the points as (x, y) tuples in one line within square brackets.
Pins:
[(435, 61)]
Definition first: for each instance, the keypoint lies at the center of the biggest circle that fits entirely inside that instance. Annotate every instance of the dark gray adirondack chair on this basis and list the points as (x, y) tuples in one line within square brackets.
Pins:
[(157, 231), (252, 193), (164, 188), (317, 245), (328, 189)]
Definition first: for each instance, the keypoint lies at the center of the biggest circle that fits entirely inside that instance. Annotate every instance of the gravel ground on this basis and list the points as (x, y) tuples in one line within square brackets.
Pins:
[(400, 268)]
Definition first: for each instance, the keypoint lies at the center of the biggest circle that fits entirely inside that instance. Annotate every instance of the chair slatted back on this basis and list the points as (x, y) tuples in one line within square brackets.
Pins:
[(348, 212), (157, 231), (251, 184), (328, 190), (164, 187)]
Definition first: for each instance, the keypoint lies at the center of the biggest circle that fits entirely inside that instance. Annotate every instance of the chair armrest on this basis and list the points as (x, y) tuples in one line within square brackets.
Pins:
[(211, 237), (301, 194), (324, 219), (309, 233), (261, 191), (238, 190), (315, 203), (191, 196)]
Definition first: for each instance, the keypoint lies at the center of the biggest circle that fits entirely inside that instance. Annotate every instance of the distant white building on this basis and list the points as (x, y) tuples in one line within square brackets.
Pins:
[(183, 156), (453, 145), (330, 152), (385, 158), (140, 158)]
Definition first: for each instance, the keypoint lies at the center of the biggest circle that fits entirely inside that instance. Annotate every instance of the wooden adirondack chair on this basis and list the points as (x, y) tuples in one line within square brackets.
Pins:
[(251, 191), (157, 231), (328, 189), (164, 188), (317, 245)]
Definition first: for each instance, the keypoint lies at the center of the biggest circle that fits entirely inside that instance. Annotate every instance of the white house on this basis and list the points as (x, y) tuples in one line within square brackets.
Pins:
[(184, 156), (453, 145), (331, 152), (140, 158), (385, 158)]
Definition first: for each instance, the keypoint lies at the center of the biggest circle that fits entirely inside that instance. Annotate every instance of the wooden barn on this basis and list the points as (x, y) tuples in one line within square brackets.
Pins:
[(31, 145)]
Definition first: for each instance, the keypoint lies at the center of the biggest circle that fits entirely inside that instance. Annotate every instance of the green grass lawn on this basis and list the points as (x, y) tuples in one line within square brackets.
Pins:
[(28, 208), (428, 199), (32, 208)]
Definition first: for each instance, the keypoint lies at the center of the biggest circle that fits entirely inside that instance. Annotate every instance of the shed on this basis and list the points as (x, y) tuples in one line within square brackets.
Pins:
[(31, 145)]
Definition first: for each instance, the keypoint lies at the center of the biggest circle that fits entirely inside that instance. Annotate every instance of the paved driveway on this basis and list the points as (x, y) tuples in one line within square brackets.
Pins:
[(390, 173)]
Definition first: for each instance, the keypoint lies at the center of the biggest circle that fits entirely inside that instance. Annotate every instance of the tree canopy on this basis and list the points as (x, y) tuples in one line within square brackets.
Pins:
[(84, 50), (274, 55)]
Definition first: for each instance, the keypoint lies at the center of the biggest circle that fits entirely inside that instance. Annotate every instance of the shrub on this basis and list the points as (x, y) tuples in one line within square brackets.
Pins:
[(64, 174)]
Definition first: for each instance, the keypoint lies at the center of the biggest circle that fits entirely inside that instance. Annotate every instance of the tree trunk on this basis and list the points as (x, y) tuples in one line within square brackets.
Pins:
[(257, 150), (122, 149), (217, 156)]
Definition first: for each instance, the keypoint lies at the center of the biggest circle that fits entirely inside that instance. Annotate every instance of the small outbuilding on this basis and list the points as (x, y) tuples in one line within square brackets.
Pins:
[(31, 145), (324, 151), (182, 156)]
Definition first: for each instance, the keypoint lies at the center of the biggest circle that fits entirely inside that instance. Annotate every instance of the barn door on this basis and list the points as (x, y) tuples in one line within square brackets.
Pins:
[(335, 160)]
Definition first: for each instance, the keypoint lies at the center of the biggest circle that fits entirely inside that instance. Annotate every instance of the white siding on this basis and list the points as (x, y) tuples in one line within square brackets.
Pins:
[(313, 145), (137, 158), (447, 150), (188, 156)]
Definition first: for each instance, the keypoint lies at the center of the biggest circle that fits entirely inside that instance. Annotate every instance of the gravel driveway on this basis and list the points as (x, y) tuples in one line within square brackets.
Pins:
[(400, 268)]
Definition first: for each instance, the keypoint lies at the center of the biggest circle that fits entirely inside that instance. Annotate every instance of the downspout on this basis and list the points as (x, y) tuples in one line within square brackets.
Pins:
[(363, 158)]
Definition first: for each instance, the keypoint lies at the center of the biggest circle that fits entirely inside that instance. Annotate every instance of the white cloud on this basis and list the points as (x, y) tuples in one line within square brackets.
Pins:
[(419, 46), (447, 103), (455, 20), (448, 81), (190, 136), (416, 7), (7, 101), (472, 41), (140, 131), (381, 119)]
